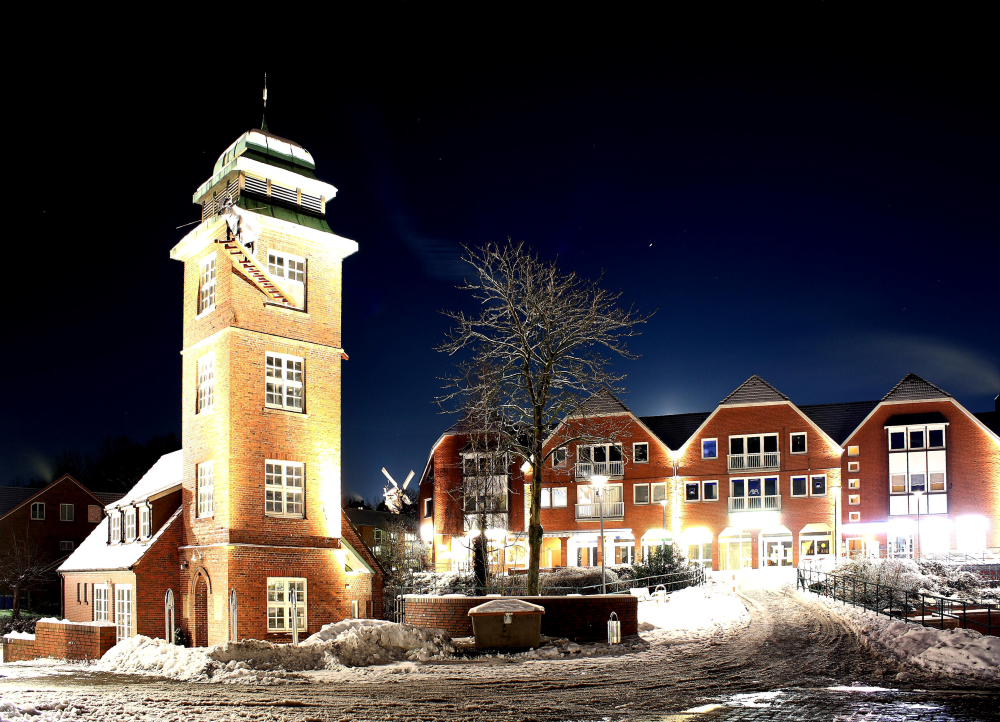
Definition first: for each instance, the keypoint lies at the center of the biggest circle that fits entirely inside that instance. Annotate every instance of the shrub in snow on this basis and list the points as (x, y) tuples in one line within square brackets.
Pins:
[(571, 580), (351, 643), (440, 583), (907, 575), (8, 626)]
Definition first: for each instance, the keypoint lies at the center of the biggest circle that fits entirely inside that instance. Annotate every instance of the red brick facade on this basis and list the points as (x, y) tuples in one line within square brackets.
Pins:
[(727, 530), (61, 641)]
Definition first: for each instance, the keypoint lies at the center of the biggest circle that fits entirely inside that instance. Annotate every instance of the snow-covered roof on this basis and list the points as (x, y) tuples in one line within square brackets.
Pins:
[(165, 474), (95, 554)]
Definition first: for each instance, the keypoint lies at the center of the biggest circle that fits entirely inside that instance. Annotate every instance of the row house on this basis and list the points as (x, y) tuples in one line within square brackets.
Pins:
[(757, 482), (241, 534)]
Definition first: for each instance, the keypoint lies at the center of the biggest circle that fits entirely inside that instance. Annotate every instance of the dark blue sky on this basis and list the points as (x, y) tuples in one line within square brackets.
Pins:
[(822, 213)]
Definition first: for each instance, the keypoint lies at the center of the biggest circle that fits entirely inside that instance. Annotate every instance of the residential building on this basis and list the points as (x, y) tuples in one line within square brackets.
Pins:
[(392, 538), (759, 481), (49, 522), (240, 534)]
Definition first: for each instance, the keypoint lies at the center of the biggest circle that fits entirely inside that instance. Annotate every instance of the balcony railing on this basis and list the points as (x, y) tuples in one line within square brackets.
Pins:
[(612, 510), (755, 462), (587, 469), (755, 503)]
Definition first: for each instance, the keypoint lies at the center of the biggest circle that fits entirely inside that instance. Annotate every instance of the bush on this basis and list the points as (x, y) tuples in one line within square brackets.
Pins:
[(24, 624), (574, 580), (661, 560)]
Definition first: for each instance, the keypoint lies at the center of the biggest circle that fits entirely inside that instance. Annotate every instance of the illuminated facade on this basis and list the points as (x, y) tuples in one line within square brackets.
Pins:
[(248, 513), (757, 482)]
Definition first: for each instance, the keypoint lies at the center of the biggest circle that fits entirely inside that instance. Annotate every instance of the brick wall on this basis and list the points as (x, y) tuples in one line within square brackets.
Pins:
[(583, 619), (61, 641)]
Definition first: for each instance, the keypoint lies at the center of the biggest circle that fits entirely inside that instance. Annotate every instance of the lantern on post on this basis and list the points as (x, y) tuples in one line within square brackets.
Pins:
[(614, 629)]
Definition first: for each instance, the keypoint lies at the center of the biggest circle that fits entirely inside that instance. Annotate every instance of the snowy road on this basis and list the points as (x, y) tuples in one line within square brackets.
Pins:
[(780, 666)]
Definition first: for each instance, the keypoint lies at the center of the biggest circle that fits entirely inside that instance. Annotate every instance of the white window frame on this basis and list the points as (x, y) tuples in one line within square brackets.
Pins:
[(280, 384), (205, 485), (102, 603), (854, 466), (791, 442), (791, 484), (854, 450), (559, 491), (701, 558), (115, 526), (279, 587), (207, 286), (292, 270), (124, 610), (706, 483), (635, 455), (655, 489), (716, 440), (697, 486), (145, 521), (205, 395), (38, 511), (429, 507), (854, 483), (130, 526), (280, 491), (826, 484), (853, 516), (854, 499), (560, 457), (67, 512), (635, 499)]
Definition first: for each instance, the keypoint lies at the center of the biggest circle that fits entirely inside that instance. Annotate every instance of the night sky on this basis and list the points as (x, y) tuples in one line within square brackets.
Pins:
[(822, 213)]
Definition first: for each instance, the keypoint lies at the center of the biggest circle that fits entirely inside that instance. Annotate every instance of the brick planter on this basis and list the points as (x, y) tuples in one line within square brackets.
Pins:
[(61, 641), (582, 619)]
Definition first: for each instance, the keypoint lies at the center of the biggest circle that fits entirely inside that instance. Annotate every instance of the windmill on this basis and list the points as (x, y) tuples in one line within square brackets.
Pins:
[(395, 495)]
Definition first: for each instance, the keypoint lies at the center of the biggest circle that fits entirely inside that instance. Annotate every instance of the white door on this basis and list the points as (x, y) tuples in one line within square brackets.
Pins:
[(123, 610)]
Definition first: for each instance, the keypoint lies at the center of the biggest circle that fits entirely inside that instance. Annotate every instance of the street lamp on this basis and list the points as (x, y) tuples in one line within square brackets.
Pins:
[(663, 537), (917, 550), (599, 483)]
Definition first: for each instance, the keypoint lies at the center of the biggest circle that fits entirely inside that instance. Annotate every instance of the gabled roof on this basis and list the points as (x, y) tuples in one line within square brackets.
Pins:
[(602, 403), (12, 497), (838, 420), (754, 390), (108, 497), (913, 388), (165, 474), (675, 429), (94, 553)]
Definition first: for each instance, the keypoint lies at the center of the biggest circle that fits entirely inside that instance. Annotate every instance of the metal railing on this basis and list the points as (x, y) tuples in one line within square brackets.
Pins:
[(515, 585), (612, 510), (770, 502), (928, 610), (587, 469), (750, 462)]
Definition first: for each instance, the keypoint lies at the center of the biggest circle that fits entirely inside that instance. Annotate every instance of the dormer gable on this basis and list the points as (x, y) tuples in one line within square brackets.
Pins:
[(754, 390)]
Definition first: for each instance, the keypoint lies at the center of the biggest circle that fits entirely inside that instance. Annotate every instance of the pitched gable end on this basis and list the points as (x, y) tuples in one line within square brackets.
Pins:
[(754, 390), (913, 388), (602, 403)]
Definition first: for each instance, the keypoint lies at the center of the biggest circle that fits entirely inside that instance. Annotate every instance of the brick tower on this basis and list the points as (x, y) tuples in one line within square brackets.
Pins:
[(261, 418)]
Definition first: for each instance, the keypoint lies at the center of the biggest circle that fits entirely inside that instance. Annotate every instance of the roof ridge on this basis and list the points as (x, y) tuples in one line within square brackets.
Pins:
[(750, 390), (915, 381)]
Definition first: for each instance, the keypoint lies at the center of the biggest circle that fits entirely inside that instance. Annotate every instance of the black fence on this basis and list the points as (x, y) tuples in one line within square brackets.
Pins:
[(516, 586), (928, 610)]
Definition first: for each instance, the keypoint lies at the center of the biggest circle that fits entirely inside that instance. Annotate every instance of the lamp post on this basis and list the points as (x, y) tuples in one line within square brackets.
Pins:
[(663, 537), (917, 550), (599, 482)]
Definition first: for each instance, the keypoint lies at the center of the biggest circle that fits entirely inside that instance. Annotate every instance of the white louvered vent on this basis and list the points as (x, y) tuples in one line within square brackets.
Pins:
[(288, 195), (256, 185), (313, 203)]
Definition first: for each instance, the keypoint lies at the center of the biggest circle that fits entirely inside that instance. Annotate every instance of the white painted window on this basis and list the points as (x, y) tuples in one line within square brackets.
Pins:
[(102, 594), (640, 494), (700, 554), (66, 546), (291, 274), (279, 603), (710, 448), (817, 485), (123, 610), (205, 479), (854, 466), (657, 492), (853, 516), (559, 457), (284, 383), (800, 486), (552, 497), (854, 451), (428, 507), (115, 524), (640, 452), (692, 491), (284, 488), (710, 491), (812, 545), (206, 286), (589, 495), (854, 499), (854, 483), (38, 510), (206, 383), (130, 524), (144, 522), (67, 512), (797, 442)]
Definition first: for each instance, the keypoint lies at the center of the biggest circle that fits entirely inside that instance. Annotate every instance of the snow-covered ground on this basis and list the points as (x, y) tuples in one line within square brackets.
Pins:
[(944, 653), (692, 613)]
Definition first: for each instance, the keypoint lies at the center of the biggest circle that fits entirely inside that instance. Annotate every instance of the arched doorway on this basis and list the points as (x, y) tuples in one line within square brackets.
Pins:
[(201, 612)]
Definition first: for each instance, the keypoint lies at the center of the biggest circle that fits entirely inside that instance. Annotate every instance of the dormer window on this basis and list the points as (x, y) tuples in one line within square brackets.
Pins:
[(130, 524), (115, 524), (144, 522)]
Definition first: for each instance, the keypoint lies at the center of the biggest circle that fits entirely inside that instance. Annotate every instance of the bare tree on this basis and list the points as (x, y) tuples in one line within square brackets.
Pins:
[(537, 350), (22, 568)]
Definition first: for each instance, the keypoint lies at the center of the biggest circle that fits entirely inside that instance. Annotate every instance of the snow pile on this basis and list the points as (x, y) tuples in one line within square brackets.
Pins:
[(351, 643), (947, 653), (691, 613), (14, 712)]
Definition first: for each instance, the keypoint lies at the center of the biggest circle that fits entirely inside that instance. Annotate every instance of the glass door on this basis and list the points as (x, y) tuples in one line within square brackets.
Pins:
[(777, 553)]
